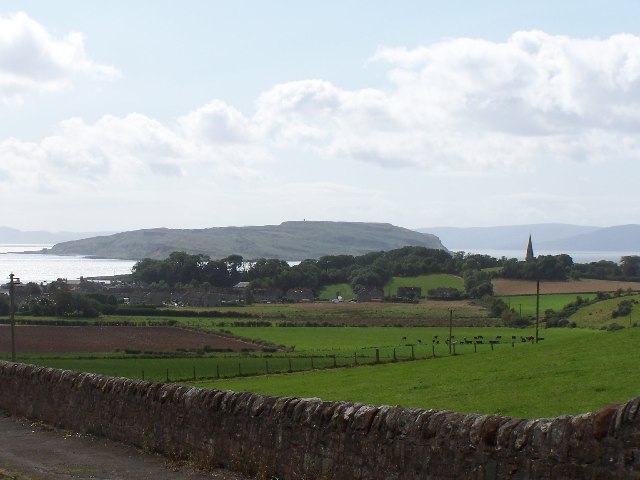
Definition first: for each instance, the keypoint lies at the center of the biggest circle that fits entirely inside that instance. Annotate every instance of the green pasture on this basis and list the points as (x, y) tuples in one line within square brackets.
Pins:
[(548, 301), (599, 314), (307, 348), (425, 282), (183, 369), (570, 372), (350, 339)]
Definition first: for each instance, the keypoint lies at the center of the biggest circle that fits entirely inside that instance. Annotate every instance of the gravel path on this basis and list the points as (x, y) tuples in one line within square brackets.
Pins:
[(32, 451)]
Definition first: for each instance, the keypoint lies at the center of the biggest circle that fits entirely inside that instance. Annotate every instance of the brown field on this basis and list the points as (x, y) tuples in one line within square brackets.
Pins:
[(526, 287), (39, 338), (426, 313)]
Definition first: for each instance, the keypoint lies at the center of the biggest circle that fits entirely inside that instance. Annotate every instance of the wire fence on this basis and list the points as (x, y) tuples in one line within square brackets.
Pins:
[(228, 365)]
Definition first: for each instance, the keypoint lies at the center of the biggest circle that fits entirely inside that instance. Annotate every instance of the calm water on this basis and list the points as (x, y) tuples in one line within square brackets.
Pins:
[(41, 268)]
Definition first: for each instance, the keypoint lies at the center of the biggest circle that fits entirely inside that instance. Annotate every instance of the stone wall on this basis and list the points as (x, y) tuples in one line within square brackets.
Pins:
[(293, 438)]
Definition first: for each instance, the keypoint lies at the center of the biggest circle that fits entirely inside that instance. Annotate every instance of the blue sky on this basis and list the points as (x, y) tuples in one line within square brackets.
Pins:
[(124, 115)]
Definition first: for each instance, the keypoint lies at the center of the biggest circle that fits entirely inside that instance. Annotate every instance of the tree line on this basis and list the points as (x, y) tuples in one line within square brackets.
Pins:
[(373, 269), (561, 267)]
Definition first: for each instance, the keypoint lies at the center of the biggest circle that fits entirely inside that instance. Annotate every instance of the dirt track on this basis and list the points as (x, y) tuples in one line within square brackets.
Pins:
[(108, 339), (32, 451)]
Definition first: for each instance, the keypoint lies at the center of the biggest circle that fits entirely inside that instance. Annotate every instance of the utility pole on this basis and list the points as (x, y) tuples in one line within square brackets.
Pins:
[(450, 327), (13, 281), (537, 307)]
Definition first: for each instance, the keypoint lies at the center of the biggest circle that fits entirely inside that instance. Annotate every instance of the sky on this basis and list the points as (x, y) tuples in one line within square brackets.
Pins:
[(122, 115)]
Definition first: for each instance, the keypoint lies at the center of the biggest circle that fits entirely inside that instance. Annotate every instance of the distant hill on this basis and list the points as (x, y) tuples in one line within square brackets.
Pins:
[(624, 238), (291, 241), (13, 236), (558, 237)]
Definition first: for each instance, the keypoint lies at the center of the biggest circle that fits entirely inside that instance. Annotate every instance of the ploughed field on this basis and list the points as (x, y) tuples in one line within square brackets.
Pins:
[(38, 338), (503, 286)]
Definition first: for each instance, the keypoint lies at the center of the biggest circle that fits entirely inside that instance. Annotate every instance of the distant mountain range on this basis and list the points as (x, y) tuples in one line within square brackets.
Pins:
[(13, 236), (548, 236), (291, 241)]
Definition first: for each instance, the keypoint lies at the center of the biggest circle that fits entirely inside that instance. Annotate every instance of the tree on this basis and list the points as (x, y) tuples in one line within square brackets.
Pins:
[(630, 266), (216, 272), (235, 263), (5, 305), (477, 283)]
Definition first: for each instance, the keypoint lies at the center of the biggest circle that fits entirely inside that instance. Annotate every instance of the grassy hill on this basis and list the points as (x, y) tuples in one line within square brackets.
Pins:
[(527, 303), (291, 241), (599, 314)]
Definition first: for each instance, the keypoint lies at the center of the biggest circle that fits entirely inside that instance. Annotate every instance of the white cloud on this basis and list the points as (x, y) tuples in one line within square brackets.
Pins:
[(33, 61), (467, 104), (125, 150), (471, 105), (531, 96), (460, 106)]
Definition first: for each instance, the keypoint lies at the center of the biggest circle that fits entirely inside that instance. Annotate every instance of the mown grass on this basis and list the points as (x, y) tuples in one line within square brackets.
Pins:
[(549, 301), (571, 371)]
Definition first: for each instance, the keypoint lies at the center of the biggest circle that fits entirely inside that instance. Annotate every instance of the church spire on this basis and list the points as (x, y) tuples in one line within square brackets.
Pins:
[(530, 254)]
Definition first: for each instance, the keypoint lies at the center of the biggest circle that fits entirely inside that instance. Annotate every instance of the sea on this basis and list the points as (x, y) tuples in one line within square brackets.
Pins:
[(37, 267)]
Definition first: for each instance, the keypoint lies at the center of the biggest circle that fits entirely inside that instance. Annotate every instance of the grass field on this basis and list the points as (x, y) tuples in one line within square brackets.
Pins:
[(183, 369), (347, 344), (350, 339), (571, 371), (426, 282), (599, 315), (555, 302)]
